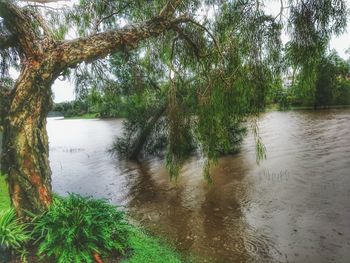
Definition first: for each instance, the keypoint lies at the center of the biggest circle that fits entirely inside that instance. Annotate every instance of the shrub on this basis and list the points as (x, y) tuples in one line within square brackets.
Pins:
[(13, 234), (75, 228)]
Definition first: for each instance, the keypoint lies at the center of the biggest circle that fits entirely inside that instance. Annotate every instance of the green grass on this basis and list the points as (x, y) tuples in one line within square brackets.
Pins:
[(4, 195), (147, 249), (144, 248), (84, 116)]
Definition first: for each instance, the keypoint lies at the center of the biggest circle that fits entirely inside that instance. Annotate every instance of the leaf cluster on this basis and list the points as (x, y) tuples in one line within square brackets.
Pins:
[(13, 233), (74, 228)]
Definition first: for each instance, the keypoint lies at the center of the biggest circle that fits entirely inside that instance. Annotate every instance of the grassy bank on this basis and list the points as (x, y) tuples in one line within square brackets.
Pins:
[(143, 248), (150, 249), (86, 116), (4, 196), (276, 107)]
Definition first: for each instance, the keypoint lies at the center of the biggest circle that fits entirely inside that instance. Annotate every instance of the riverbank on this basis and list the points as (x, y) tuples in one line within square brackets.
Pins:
[(276, 107), (270, 108), (86, 116), (144, 248)]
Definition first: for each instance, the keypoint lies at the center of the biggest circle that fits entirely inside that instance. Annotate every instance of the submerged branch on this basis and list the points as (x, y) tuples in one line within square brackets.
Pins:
[(144, 134)]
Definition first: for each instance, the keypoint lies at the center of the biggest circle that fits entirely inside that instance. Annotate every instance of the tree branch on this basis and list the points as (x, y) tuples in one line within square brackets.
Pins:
[(170, 8), (99, 21), (188, 39), (70, 53), (19, 24), (39, 18)]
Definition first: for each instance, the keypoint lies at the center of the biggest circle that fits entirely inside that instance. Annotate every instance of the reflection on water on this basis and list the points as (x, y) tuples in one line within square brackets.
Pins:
[(292, 208)]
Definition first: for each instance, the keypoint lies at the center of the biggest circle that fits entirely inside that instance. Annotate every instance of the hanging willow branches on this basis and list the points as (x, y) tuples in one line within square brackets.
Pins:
[(191, 89)]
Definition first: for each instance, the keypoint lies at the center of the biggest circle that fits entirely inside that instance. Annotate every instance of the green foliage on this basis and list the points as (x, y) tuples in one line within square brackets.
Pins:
[(102, 104), (311, 24), (71, 109), (214, 82), (4, 195), (328, 85), (13, 234), (337, 72), (75, 227), (147, 249)]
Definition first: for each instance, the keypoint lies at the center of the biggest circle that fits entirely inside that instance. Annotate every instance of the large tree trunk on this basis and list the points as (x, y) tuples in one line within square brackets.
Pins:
[(25, 141)]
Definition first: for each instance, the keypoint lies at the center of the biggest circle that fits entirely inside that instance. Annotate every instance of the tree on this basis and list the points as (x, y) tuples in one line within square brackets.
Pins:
[(229, 71), (42, 60), (329, 85), (332, 85), (250, 42)]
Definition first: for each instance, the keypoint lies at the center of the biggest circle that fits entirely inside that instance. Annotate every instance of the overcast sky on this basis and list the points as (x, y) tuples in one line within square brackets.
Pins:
[(64, 90)]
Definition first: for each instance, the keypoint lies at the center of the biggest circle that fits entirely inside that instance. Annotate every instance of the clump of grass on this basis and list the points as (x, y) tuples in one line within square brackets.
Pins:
[(147, 249), (13, 234), (77, 229)]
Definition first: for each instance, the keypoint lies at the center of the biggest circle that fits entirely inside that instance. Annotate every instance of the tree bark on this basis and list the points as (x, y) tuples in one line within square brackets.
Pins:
[(25, 141)]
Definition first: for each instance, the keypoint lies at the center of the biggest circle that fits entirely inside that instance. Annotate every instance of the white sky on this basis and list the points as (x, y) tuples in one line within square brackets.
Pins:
[(64, 90)]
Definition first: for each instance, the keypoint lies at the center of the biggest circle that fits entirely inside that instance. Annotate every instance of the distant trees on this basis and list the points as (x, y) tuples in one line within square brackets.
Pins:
[(329, 85), (102, 104)]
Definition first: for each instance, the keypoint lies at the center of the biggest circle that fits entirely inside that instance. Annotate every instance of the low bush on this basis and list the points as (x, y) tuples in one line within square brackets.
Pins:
[(77, 229), (13, 235)]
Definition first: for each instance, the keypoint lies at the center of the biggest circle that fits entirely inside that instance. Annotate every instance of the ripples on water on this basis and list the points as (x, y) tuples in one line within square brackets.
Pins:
[(294, 207)]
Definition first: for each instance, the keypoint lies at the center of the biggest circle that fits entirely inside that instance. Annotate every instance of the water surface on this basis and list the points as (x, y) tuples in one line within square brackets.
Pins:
[(293, 207)]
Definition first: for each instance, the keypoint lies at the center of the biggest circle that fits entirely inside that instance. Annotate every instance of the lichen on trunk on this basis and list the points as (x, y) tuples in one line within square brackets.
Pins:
[(25, 142)]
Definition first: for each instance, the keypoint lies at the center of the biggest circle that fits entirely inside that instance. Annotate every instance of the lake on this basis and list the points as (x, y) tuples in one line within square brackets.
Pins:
[(293, 207)]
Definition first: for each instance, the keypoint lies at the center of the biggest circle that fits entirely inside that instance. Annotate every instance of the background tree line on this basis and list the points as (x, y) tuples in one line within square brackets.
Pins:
[(329, 85), (330, 88)]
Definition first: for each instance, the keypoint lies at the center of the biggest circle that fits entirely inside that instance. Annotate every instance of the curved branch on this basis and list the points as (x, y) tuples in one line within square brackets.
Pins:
[(189, 40), (216, 43), (70, 53), (20, 25), (97, 46), (44, 26)]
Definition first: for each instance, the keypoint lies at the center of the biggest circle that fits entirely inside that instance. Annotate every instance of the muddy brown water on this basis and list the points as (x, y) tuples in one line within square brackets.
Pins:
[(293, 207)]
